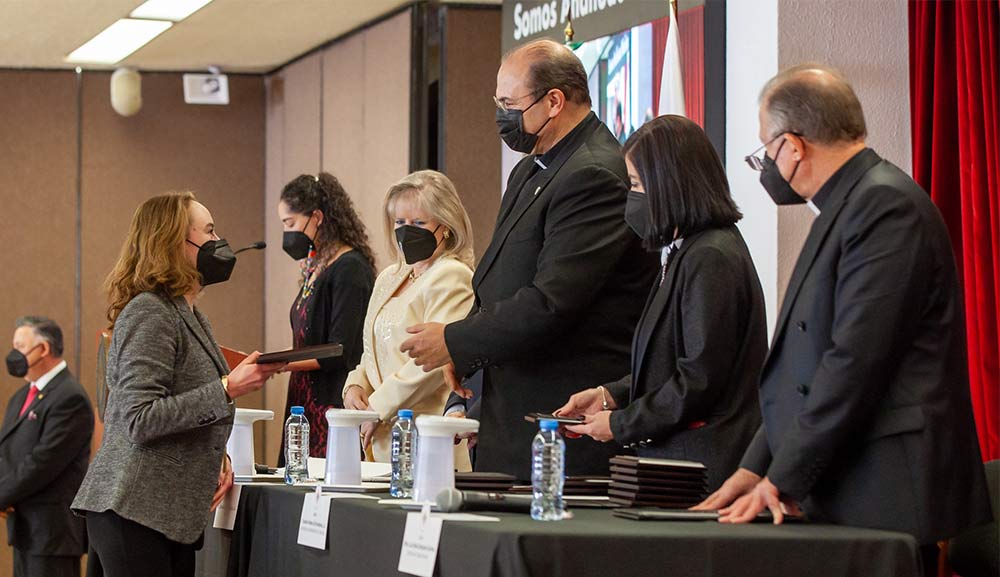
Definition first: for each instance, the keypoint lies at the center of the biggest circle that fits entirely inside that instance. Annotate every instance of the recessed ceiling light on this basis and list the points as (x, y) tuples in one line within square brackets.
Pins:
[(117, 41), (173, 10)]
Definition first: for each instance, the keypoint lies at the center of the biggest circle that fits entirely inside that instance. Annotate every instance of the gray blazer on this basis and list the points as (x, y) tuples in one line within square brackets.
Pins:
[(167, 420)]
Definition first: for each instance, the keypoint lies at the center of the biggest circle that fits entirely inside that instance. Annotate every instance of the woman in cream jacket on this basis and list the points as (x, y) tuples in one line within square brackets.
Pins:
[(431, 281)]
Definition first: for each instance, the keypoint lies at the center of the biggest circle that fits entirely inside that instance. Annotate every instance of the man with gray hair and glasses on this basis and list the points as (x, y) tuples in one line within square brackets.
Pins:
[(44, 452), (865, 393)]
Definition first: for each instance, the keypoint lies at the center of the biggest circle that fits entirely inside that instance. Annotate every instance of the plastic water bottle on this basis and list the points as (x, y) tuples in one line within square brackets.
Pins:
[(296, 446), (548, 465), (401, 484)]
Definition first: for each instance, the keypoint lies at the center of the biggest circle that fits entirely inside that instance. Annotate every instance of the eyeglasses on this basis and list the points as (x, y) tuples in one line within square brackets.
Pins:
[(757, 162), (503, 103)]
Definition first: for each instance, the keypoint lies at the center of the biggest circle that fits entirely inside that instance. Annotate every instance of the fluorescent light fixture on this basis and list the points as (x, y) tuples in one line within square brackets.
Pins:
[(117, 41), (173, 10)]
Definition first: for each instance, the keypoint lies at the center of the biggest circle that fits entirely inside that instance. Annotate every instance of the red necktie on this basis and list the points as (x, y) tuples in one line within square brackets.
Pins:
[(32, 393)]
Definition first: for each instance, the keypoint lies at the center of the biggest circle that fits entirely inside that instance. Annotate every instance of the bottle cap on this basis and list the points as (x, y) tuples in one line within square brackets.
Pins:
[(297, 410), (405, 414), (548, 425)]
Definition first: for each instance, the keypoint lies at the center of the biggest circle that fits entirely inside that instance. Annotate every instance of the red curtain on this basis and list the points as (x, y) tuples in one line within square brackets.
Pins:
[(955, 111), (691, 23)]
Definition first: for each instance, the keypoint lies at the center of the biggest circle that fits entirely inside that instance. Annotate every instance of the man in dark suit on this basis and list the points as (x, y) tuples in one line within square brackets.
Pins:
[(44, 451), (865, 393), (563, 282)]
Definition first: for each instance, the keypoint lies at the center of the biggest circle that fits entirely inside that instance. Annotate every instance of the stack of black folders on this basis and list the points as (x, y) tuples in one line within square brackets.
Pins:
[(486, 482), (646, 482)]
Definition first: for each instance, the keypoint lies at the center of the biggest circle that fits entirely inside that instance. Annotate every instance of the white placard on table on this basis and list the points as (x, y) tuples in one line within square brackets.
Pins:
[(349, 496), (420, 544), (465, 517), (225, 515), (314, 520)]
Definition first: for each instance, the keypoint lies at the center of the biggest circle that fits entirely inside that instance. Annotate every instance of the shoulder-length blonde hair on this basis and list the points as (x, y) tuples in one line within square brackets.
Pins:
[(152, 256), (435, 194)]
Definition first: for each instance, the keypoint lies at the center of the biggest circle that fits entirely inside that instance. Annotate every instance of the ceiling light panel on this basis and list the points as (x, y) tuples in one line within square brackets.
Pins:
[(173, 10), (118, 41)]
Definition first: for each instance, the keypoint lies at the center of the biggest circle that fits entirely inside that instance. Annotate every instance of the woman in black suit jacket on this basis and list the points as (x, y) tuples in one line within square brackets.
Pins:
[(701, 341)]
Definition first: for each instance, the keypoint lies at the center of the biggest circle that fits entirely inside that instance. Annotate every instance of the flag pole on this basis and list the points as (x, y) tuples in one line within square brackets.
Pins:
[(568, 31)]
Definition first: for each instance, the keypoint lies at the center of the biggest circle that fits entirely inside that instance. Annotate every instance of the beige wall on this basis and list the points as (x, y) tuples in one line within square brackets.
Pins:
[(867, 41), (38, 219), (293, 135), (471, 146), (366, 118), (345, 109), (38, 195)]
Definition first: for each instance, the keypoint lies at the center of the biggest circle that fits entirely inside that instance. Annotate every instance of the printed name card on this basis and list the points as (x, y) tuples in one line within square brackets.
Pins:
[(420, 543), (315, 518)]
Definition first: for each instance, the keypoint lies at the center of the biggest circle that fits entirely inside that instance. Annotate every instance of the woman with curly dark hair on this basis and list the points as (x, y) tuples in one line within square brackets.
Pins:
[(322, 231)]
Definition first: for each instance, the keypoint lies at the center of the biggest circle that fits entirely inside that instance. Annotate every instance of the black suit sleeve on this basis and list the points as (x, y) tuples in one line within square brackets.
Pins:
[(585, 237), (68, 428), (757, 457), (713, 309), (879, 274)]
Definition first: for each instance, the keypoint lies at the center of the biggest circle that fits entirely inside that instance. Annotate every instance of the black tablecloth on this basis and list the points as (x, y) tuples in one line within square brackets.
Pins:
[(364, 539)]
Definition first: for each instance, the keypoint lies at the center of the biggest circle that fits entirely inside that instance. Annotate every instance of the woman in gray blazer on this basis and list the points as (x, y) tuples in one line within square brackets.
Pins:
[(162, 466)]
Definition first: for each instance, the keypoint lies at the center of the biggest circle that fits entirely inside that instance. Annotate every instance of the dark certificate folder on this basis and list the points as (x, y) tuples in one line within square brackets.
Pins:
[(304, 354)]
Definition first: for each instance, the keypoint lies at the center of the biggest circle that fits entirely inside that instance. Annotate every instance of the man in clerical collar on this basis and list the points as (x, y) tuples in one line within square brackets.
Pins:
[(867, 419), (562, 284)]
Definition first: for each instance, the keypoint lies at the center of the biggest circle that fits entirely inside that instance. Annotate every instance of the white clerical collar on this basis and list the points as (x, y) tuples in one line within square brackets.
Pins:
[(812, 206), (669, 249), (538, 161), (47, 377)]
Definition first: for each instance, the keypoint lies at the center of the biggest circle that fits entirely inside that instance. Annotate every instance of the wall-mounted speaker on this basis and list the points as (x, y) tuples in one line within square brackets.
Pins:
[(126, 91)]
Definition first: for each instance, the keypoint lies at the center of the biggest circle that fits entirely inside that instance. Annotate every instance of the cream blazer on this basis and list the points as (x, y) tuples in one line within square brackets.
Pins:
[(443, 294)]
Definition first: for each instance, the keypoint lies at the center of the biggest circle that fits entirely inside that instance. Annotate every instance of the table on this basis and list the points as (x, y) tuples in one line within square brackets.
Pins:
[(364, 539)]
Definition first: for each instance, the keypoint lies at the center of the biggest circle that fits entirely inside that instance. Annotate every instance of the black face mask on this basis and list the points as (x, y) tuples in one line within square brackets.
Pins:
[(416, 243), (637, 213), (779, 189), (215, 261), (296, 243), (17, 362), (510, 124)]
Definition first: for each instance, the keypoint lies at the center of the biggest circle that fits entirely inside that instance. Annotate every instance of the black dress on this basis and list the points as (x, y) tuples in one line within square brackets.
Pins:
[(332, 311)]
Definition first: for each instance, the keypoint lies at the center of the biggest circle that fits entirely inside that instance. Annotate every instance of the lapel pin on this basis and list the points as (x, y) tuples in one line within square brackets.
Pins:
[(537, 190), (32, 416), (41, 396)]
